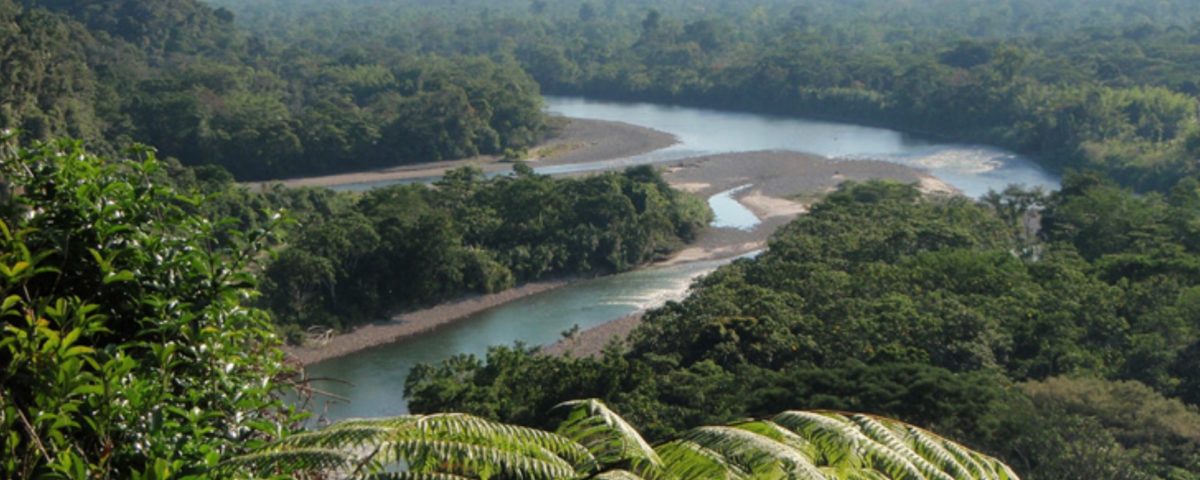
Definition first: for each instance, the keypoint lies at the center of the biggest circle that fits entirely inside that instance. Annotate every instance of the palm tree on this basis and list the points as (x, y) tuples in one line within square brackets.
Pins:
[(595, 443)]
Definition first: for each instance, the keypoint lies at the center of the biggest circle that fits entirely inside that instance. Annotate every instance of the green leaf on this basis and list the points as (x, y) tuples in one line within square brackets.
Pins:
[(78, 350), (87, 390), (122, 276), (800, 445), (9, 302), (71, 337)]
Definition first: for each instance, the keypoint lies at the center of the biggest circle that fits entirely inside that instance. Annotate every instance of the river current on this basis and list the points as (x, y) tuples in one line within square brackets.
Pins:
[(374, 379)]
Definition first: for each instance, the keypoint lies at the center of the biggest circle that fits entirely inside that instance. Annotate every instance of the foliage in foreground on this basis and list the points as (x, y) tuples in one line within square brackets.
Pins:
[(941, 312), (127, 346), (594, 442)]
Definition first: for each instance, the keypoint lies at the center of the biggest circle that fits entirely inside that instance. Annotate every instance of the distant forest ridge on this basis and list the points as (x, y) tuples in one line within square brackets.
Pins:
[(976, 18), (1097, 85), (178, 75), (272, 88)]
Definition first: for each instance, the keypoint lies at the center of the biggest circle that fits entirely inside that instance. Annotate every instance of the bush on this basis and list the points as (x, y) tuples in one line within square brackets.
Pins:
[(128, 346)]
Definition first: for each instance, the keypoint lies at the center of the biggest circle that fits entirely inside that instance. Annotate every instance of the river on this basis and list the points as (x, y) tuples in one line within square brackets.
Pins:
[(375, 378), (972, 169)]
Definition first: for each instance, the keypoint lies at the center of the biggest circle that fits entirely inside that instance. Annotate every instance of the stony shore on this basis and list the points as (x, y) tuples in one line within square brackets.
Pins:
[(577, 141), (412, 323), (781, 186)]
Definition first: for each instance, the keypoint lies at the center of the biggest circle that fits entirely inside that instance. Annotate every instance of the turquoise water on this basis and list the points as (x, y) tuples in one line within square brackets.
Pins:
[(973, 169), (376, 377)]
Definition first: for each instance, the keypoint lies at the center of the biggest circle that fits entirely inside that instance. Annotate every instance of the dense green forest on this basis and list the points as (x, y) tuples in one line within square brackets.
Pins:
[(358, 259), (131, 348), (345, 259), (943, 312), (141, 299), (179, 76), (1104, 85), (335, 86)]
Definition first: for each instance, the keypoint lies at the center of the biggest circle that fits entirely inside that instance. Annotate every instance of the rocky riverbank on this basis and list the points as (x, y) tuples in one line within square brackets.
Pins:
[(577, 141)]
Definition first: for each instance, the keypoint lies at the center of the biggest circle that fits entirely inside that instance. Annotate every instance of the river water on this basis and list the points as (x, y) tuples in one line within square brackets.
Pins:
[(375, 378), (973, 169), (730, 213)]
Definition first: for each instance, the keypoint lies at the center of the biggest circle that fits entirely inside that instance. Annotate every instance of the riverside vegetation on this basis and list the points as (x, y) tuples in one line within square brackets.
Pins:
[(1050, 348), (131, 349), (1056, 332), (183, 79), (412, 245)]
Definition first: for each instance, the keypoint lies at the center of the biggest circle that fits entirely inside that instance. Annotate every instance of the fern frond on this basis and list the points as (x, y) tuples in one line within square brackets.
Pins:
[(794, 445), (414, 476), (537, 443), (342, 438), (857, 474), (880, 432), (296, 460), (604, 433), (687, 460), (782, 435), (1005, 472), (1001, 471), (755, 453), (931, 448), (974, 466), (481, 460), (853, 446), (835, 438), (880, 457), (616, 475)]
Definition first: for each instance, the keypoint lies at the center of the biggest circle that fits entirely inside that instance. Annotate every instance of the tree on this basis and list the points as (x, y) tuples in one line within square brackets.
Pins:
[(299, 286), (128, 348), (966, 54), (1091, 428), (594, 442), (587, 12)]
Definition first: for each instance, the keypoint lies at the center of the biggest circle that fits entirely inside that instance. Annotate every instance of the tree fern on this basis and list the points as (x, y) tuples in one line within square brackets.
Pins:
[(755, 453), (602, 431), (414, 476), (291, 460), (593, 442), (692, 460), (616, 475)]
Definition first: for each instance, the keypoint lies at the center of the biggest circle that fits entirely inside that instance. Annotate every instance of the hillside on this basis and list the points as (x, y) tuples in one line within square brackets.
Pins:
[(182, 77)]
